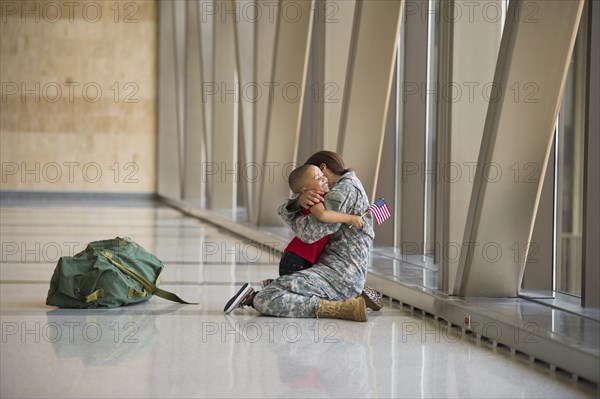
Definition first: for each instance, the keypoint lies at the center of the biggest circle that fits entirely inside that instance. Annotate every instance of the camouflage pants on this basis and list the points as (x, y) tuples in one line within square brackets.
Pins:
[(297, 295)]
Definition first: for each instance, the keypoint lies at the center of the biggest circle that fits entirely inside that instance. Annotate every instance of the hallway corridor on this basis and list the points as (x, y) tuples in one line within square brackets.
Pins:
[(161, 349)]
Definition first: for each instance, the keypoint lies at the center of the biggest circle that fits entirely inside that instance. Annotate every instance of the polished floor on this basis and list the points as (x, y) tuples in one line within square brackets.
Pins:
[(161, 349)]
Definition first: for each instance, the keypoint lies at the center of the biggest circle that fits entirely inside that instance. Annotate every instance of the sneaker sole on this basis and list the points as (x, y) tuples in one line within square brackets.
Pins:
[(237, 298)]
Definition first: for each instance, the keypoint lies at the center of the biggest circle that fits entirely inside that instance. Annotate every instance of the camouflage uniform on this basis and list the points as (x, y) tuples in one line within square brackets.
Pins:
[(339, 272)]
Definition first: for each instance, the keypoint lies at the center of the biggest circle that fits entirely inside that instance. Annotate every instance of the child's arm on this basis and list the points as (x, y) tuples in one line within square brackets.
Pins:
[(327, 216)]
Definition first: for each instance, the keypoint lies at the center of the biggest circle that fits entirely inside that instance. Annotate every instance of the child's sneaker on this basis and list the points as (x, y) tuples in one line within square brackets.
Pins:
[(243, 298)]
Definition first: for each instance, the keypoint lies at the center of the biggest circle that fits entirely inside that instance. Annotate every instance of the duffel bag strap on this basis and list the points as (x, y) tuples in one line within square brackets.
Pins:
[(94, 296), (148, 286)]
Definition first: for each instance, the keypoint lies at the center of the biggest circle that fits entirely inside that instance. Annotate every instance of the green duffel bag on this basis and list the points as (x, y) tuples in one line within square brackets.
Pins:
[(107, 273)]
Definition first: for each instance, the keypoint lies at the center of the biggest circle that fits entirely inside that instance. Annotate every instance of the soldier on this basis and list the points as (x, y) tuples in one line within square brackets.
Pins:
[(331, 287)]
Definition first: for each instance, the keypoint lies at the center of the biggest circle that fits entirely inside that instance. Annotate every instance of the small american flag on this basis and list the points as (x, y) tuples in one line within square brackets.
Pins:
[(380, 211)]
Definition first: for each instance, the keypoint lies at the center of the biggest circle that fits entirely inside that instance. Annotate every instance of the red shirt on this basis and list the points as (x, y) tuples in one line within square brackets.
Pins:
[(310, 252)]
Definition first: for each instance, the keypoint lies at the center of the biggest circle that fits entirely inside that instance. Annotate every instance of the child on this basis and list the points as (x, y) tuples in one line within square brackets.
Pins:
[(299, 255)]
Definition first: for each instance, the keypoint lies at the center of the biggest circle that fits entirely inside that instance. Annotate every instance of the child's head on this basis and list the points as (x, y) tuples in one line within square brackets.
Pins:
[(307, 177)]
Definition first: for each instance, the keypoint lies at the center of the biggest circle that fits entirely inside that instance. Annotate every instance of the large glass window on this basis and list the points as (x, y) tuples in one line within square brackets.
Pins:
[(570, 155)]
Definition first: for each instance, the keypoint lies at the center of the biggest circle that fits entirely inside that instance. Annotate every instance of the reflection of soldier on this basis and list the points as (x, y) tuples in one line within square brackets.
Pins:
[(336, 368), (107, 338), (314, 358)]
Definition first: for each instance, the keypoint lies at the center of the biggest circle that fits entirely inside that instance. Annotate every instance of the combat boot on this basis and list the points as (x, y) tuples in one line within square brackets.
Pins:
[(350, 309), (373, 299)]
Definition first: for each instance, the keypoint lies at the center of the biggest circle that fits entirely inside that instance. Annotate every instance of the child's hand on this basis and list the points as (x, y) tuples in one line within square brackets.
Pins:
[(357, 221)]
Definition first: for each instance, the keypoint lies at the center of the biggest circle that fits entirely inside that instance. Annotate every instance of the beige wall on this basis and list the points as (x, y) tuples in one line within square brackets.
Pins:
[(475, 52), (78, 99)]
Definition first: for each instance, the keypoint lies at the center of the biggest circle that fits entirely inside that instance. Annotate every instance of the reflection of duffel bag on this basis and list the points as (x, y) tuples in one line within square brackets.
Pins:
[(107, 273)]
